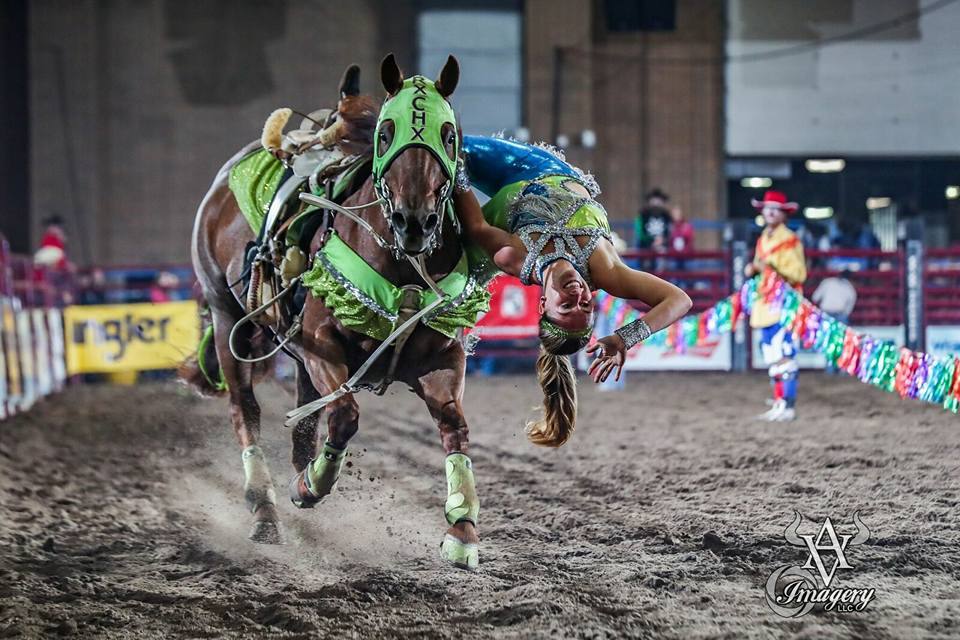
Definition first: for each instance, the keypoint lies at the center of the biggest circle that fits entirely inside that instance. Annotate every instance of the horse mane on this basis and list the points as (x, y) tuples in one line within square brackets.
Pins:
[(358, 115)]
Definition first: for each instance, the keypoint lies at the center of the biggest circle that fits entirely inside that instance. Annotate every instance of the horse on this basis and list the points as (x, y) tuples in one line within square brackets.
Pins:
[(407, 202)]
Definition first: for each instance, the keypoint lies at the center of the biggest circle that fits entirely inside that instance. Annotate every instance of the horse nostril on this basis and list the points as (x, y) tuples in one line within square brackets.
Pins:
[(431, 222), (399, 221)]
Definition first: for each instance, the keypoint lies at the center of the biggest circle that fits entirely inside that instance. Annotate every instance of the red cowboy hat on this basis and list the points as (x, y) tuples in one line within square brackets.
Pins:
[(775, 199)]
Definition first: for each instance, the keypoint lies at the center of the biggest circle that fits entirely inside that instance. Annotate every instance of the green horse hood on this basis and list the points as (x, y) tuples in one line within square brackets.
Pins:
[(418, 112)]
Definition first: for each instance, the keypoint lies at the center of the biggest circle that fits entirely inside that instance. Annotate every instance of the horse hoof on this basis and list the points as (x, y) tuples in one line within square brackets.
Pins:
[(463, 555), (267, 532)]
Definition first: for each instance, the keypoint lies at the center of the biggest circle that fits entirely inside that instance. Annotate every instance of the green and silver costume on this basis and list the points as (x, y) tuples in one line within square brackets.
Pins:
[(528, 197)]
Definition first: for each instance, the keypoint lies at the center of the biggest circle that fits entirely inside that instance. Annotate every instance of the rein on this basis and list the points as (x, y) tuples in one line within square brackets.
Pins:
[(287, 336), (325, 203)]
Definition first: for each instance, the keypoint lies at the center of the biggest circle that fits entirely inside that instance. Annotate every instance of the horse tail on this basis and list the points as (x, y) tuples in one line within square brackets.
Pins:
[(201, 371)]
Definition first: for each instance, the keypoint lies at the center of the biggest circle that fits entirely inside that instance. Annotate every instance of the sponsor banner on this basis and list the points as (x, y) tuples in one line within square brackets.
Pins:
[(943, 340), (713, 355), (11, 355), (28, 365), (514, 311), (57, 348), (41, 346), (815, 360), (129, 337)]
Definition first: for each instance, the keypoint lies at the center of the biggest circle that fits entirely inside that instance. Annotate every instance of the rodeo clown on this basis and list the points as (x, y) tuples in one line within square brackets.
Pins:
[(779, 249)]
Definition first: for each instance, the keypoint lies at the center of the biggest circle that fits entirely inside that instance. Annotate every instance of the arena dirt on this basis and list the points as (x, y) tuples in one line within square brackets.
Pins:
[(122, 517)]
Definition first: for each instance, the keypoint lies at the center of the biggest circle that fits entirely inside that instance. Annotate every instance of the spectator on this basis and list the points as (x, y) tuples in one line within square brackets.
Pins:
[(681, 239), (805, 231), (93, 287), (867, 239), (844, 237), (652, 228), (837, 296), (681, 232), (52, 254), (162, 286), (52, 271)]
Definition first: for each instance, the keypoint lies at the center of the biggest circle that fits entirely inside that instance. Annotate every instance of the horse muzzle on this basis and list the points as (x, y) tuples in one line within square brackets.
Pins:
[(415, 230)]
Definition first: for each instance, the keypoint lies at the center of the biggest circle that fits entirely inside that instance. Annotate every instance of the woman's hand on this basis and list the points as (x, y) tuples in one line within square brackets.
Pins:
[(611, 354)]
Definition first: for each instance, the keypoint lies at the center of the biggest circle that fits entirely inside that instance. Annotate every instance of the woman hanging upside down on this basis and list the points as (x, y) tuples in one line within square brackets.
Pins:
[(543, 225)]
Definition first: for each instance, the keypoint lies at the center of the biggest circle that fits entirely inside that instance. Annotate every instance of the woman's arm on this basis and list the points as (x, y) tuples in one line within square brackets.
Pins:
[(668, 303), (504, 248)]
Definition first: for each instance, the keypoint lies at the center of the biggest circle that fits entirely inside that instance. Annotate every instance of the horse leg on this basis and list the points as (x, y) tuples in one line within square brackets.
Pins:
[(304, 434), (318, 478), (258, 489), (442, 391)]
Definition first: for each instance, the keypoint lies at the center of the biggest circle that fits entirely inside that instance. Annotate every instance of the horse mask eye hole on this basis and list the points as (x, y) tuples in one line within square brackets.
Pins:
[(384, 137), (449, 136)]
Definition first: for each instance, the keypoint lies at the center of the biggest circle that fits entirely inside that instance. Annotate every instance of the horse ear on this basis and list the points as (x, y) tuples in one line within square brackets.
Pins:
[(350, 82), (449, 77), (390, 75)]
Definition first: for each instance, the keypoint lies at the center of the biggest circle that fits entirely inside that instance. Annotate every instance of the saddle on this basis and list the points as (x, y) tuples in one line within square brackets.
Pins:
[(303, 160)]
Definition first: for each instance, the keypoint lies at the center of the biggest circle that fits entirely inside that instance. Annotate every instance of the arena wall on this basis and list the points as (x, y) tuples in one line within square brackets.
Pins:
[(135, 105)]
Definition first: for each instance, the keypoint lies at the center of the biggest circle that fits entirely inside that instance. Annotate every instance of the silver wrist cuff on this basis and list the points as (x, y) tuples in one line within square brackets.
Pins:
[(634, 333)]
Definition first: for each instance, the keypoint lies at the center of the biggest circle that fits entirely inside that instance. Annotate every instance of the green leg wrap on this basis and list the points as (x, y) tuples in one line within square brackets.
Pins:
[(258, 486), (322, 474), (462, 501), (462, 506)]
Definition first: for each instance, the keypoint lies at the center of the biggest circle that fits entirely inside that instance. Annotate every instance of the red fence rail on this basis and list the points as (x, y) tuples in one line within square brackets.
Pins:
[(941, 286), (876, 275), (704, 275)]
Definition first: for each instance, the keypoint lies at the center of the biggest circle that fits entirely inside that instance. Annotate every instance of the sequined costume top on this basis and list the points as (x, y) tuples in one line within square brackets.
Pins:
[(529, 197)]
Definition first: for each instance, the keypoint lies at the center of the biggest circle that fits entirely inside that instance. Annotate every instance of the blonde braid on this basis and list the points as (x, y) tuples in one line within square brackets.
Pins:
[(556, 377)]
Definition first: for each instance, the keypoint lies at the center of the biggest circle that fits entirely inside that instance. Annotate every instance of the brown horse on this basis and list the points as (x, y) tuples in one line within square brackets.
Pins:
[(432, 365)]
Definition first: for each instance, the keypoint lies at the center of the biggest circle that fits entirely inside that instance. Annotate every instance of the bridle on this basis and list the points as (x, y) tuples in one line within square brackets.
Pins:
[(387, 209), (418, 116)]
